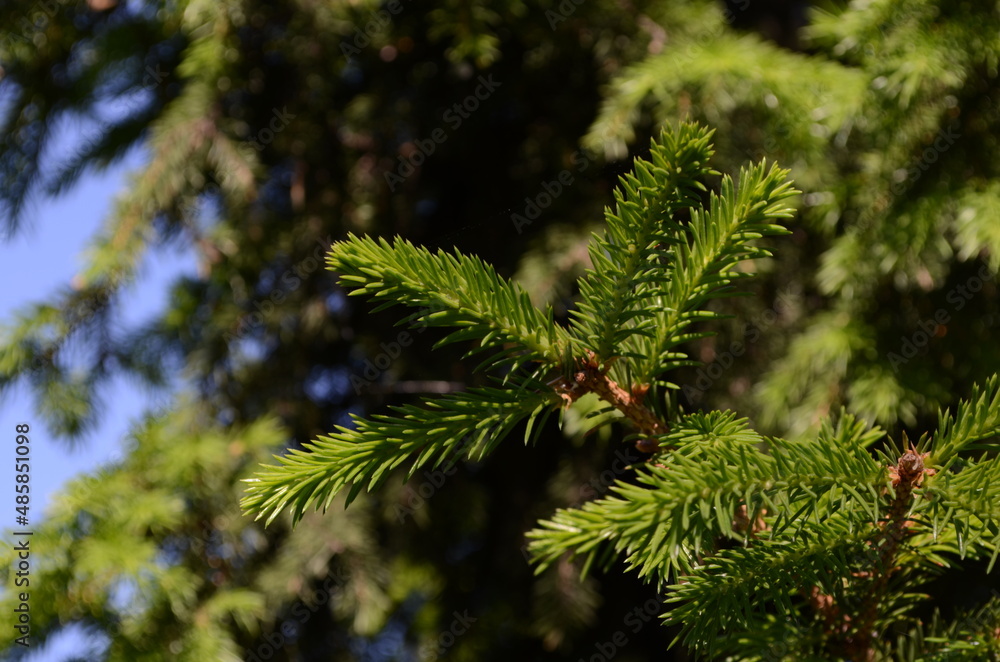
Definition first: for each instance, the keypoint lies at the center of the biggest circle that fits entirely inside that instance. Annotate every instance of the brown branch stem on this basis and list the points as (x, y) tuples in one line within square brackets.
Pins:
[(590, 378), (907, 475)]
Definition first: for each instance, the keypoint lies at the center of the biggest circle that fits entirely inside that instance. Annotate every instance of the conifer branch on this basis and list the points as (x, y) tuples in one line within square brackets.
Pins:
[(745, 527), (631, 262), (967, 504), (731, 589), (444, 430), (664, 81), (975, 420), (715, 241), (590, 377), (907, 475), (678, 508), (452, 290)]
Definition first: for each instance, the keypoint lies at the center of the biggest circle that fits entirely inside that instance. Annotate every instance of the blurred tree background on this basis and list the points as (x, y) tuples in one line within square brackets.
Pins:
[(497, 129)]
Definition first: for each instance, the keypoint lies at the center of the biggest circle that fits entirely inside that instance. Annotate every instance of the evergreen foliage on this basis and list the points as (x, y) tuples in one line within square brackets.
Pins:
[(269, 130), (883, 118), (737, 529), (138, 499), (265, 131)]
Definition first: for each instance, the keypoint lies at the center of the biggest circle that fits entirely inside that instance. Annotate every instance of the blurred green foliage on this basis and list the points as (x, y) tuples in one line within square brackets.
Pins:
[(267, 137)]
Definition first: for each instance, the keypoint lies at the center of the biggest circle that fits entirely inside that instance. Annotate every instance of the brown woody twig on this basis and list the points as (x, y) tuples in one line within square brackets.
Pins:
[(589, 377)]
